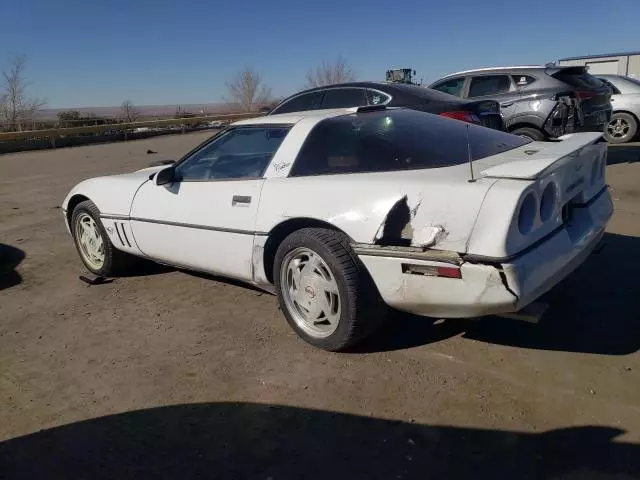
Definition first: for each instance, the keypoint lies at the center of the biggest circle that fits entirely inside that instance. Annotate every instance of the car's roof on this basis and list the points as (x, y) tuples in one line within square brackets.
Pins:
[(495, 69), (295, 117), (365, 84)]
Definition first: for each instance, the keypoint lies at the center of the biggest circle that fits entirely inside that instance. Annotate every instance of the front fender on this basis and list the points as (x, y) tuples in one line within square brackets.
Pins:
[(114, 194)]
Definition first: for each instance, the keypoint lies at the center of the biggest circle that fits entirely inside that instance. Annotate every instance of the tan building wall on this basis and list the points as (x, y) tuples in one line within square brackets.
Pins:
[(620, 65)]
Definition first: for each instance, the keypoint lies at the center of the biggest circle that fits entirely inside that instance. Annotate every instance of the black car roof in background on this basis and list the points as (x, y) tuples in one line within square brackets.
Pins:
[(393, 89)]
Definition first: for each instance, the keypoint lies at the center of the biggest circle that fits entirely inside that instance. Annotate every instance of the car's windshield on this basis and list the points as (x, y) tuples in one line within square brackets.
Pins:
[(396, 139)]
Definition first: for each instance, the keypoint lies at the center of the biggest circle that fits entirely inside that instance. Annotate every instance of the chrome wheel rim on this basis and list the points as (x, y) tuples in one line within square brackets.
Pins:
[(618, 128), (90, 241), (310, 292)]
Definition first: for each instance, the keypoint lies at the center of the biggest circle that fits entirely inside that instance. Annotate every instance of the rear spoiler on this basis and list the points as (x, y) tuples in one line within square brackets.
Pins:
[(572, 70), (531, 162)]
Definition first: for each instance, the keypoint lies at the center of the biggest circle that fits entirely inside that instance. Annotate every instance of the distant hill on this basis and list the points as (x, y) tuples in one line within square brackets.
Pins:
[(145, 110)]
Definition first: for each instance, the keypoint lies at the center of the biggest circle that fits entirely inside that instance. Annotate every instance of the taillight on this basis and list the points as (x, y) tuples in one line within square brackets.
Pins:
[(527, 214), (462, 115), (584, 95), (548, 202)]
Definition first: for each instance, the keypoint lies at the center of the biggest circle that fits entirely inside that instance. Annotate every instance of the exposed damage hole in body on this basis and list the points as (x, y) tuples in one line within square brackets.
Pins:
[(397, 229)]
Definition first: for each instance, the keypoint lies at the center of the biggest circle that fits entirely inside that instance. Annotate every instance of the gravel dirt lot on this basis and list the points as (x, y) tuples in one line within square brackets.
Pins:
[(173, 375)]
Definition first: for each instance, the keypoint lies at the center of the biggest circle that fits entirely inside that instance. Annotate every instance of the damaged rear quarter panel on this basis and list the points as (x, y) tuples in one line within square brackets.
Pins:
[(441, 205)]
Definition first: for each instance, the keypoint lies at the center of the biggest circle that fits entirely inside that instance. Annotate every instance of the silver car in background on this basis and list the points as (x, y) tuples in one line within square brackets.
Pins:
[(625, 100)]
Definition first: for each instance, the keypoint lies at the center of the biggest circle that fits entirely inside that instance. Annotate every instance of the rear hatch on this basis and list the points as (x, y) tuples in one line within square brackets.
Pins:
[(591, 96)]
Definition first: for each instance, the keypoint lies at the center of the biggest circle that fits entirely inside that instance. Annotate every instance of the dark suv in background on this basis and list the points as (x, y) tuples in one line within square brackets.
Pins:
[(484, 112), (537, 102)]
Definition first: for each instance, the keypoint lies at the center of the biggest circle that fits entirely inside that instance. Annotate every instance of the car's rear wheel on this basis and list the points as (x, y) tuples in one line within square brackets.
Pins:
[(93, 244), (530, 133), (324, 291), (621, 129)]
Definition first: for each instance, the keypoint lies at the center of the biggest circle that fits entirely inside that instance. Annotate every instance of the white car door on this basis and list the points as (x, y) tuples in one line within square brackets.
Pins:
[(205, 219)]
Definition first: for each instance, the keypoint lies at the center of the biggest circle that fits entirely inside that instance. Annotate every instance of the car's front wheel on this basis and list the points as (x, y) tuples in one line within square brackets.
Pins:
[(324, 291), (621, 129), (93, 244)]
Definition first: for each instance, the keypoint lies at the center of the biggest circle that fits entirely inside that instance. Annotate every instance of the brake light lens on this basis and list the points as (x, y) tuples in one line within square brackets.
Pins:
[(548, 202), (449, 272), (584, 95), (527, 214), (462, 115)]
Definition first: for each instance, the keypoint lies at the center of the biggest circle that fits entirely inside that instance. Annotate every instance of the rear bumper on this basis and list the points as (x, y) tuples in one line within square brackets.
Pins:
[(490, 287)]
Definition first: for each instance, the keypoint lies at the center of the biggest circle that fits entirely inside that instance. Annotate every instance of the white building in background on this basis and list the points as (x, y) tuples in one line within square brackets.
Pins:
[(627, 64)]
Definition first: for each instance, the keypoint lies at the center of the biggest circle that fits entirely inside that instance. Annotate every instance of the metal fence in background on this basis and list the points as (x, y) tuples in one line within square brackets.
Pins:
[(113, 132)]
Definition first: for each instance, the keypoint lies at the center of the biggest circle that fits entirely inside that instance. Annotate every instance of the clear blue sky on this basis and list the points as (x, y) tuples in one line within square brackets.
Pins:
[(101, 52)]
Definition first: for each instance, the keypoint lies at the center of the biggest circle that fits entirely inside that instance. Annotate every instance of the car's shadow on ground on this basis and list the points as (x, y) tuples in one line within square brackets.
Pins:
[(10, 258), (244, 440), (623, 154), (145, 268), (595, 310)]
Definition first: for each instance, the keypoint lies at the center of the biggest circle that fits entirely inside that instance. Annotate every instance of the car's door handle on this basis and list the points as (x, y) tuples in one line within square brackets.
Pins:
[(506, 104), (240, 200)]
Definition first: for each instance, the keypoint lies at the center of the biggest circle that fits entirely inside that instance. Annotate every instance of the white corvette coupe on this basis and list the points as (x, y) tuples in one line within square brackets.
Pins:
[(342, 212)]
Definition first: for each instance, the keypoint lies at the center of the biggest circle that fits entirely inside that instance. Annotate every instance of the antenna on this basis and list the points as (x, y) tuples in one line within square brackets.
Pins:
[(469, 155)]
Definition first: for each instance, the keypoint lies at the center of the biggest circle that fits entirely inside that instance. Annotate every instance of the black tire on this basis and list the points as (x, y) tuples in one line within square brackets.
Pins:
[(530, 133), (362, 309), (116, 262), (628, 128)]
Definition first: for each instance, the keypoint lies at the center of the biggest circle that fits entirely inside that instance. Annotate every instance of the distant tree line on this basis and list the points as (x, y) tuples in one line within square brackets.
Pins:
[(249, 93), (246, 92)]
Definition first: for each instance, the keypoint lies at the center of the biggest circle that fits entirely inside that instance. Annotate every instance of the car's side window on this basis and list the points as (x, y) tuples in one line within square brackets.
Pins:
[(523, 80), (489, 85), (375, 97), (343, 145), (344, 98), (301, 103), (452, 87), (241, 152)]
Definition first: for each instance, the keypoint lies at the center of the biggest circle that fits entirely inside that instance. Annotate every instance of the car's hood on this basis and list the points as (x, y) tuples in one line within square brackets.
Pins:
[(112, 194)]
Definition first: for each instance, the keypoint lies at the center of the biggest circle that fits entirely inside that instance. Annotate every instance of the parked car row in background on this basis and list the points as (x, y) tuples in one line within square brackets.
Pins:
[(539, 103), (536, 102), (484, 112)]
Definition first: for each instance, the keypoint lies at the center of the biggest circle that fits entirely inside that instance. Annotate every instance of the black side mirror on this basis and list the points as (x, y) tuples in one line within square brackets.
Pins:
[(168, 175)]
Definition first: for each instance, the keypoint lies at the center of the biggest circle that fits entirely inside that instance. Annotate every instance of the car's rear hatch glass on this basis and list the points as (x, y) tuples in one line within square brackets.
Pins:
[(396, 139), (578, 77)]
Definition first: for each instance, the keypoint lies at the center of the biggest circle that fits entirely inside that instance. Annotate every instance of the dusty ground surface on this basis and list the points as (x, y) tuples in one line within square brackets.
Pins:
[(171, 375)]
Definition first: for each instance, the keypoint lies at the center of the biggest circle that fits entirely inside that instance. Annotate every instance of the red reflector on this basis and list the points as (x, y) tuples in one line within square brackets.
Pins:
[(584, 95), (449, 272), (461, 115)]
